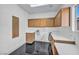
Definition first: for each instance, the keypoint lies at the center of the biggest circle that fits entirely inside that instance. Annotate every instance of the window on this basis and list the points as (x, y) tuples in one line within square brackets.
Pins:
[(77, 16)]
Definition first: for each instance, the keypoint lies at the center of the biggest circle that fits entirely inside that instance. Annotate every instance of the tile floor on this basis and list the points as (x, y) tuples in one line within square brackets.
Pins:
[(37, 48)]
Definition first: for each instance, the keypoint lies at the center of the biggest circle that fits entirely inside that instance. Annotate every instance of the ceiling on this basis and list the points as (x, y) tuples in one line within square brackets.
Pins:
[(41, 9)]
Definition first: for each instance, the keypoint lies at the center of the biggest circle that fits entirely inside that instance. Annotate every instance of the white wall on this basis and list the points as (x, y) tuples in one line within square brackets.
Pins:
[(7, 44), (42, 15)]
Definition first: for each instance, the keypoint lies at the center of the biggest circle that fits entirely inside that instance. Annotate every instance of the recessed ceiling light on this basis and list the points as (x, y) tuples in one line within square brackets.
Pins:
[(37, 5)]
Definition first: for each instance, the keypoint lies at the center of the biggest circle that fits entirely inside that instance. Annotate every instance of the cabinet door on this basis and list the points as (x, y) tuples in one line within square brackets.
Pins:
[(43, 23), (66, 16), (37, 23), (34, 23), (58, 19), (50, 22), (30, 37), (30, 23)]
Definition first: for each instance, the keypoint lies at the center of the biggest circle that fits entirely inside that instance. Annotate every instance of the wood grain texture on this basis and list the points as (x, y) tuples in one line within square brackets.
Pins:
[(58, 19), (54, 50), (63, 41), (30, 37), (15, 26)]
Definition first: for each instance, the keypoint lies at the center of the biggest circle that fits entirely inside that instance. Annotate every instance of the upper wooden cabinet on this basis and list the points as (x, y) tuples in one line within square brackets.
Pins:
[(65, 16), (30, 23), (41, 22), (33, 23), (50, 22), (61, 19), (58, 19)]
